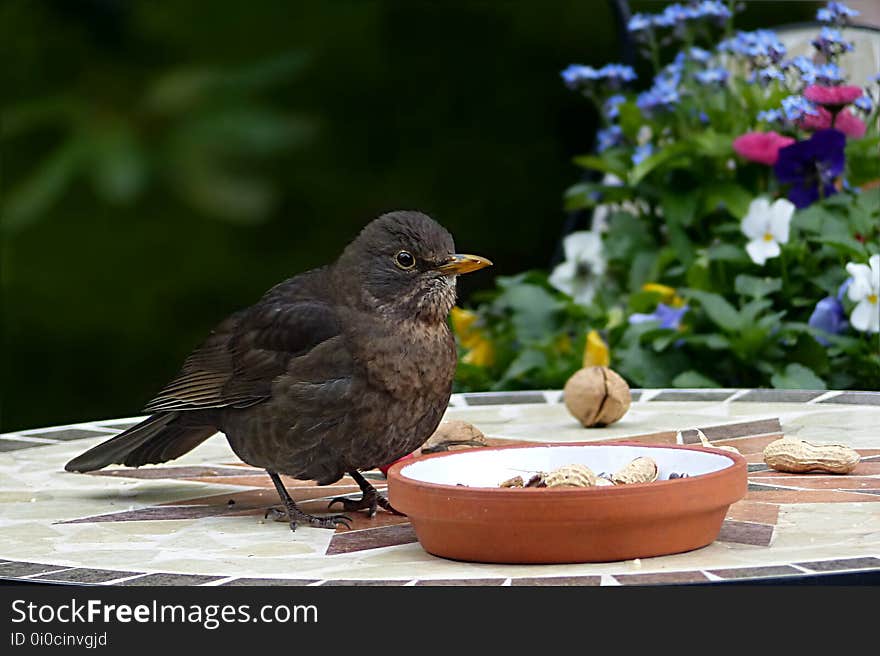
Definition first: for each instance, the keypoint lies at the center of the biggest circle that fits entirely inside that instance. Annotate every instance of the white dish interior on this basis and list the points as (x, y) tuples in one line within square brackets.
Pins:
[(488, 467)]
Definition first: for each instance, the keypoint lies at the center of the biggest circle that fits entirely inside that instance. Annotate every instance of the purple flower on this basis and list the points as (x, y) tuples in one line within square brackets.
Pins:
[(811, 166), (829, 317), (666, 316)]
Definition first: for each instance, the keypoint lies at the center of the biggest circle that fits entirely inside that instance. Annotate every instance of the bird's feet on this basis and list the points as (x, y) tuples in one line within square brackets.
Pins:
[(298, 516), (370, 500)]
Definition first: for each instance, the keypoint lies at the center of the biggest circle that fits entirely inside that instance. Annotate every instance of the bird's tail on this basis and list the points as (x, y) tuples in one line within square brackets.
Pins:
[(159, 438)]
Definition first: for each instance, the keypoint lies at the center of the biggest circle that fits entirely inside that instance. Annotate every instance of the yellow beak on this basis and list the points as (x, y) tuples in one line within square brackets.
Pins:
[(461, 263)]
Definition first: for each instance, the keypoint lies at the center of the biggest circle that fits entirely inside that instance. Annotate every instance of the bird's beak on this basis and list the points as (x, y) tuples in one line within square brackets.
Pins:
[(461, 263)]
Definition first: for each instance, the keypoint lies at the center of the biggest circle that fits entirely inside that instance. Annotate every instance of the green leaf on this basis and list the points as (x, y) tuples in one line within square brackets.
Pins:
[(746, 285), (712, 341), (819, 219), (692, 379), (532, 310), (602, 164), (733, 197), (727, 253), (589, 194), (844, 245), (528, 360), (679, 207), (722, 313), (118, 164), (32, 198), (664, 156), (797, 376)]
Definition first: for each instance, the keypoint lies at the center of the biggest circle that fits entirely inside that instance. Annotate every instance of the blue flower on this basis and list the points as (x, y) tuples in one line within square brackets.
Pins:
[(713, 9), (668, 317), (830, 42), (770, 116), (829, 317), (836, 13), (642, 153), (829, 75), (712, 76), (608, 138), (810, 167), (617, 74), (804, 66), (639, 23), (611, 105), (762, 47), (865, 103), (795, 108), (764, 76), (576, 75), (699, 55)]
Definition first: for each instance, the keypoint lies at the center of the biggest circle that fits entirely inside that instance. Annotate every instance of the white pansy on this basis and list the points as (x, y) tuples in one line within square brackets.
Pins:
[(864, 291), (584, 263), (766, 226)]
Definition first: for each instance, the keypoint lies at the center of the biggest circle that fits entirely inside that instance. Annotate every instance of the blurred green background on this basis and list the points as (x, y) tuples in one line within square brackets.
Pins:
[(164, 163)]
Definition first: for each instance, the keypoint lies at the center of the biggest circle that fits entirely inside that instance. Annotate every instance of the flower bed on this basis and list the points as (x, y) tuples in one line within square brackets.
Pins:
[(734, 243)]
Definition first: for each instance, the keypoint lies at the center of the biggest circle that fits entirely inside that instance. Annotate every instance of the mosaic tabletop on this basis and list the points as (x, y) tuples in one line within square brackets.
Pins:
[(199, 520)]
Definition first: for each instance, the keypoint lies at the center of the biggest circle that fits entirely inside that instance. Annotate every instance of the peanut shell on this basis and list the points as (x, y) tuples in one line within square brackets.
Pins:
[(798, 456)]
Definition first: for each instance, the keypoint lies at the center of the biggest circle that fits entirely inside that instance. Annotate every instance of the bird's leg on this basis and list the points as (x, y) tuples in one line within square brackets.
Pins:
[(370, 500), (294, 513)]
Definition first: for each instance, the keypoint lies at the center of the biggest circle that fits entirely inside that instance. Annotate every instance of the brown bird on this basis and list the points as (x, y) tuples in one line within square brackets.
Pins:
[(342, 368)]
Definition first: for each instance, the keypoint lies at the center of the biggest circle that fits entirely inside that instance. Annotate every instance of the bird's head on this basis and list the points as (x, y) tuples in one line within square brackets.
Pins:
[(404, 264)]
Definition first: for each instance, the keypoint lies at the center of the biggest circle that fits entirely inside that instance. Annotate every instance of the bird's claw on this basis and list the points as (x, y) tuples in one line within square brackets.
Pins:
[(277, 515), (369, 502)]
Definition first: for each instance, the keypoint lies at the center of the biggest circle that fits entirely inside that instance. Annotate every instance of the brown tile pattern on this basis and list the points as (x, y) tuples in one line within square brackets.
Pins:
[(557, 581), (753, 533), (7, 444), (777, 396), (384, 583), (756, 572), (841, 564), (661, 578), (171, 579), (855, 398), (269, 582), (751, 511), (460, 582), (19, 569), (371, 538), (84, 575)]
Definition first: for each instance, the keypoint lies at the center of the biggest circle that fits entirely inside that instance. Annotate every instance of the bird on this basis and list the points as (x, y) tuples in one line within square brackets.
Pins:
[(337, 370)]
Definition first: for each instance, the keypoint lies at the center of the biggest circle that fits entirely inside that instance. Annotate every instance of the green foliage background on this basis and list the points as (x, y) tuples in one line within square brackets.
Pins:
[(163, 163)]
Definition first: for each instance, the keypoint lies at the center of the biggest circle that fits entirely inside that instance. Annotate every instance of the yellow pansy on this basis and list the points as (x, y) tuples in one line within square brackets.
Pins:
[(667, 294), (480, 353), (596, 353)]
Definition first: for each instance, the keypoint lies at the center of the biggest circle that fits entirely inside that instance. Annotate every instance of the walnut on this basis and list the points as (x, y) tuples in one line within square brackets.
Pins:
[(596, 396), (454, 434)]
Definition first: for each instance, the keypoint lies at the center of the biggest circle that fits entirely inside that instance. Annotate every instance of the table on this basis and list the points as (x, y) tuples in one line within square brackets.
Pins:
[(199, 520)]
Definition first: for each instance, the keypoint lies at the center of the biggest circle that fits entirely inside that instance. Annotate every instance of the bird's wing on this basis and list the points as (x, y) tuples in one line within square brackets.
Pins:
[(236, 365)]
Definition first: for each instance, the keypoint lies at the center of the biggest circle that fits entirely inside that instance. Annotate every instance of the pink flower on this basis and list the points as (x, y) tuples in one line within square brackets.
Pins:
[(848, 123), (761, 147), (832, 96)]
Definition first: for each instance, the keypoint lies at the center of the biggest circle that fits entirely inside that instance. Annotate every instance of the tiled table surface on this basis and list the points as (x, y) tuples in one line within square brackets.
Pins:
[(199, 520)]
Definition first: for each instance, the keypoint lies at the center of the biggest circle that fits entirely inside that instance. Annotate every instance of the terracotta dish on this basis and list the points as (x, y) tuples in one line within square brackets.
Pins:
[(458, 511)]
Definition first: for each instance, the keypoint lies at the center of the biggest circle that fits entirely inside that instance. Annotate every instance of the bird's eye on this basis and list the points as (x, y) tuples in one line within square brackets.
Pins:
[(405, 260)]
